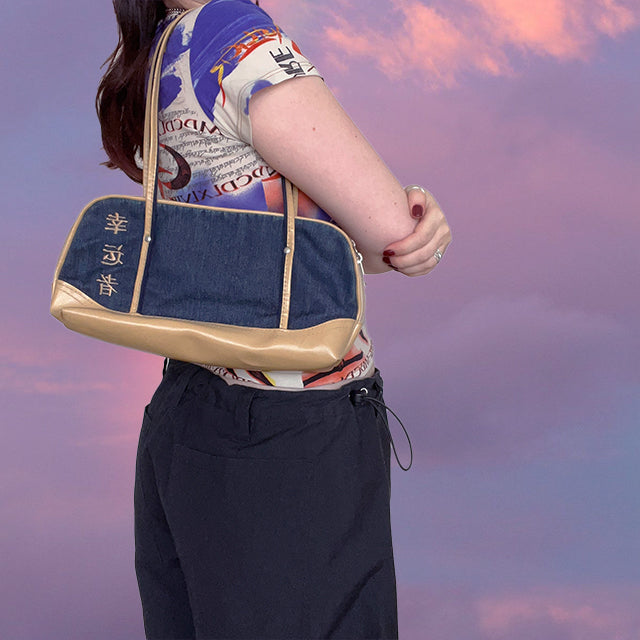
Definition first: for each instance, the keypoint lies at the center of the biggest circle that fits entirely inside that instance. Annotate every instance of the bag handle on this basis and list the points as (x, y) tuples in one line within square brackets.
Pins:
[(150, 176)]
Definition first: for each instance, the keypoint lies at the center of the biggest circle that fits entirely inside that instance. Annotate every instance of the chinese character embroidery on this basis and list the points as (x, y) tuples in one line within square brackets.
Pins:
[(116, 223), (112, 255), (107, 285)]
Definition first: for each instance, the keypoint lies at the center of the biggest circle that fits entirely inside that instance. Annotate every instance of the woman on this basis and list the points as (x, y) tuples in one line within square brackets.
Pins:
[(262, 498)]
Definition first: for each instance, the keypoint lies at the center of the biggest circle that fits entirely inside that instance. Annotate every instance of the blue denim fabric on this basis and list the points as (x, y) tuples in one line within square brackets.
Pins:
[(323, 283), (83, 266), (198, 267)]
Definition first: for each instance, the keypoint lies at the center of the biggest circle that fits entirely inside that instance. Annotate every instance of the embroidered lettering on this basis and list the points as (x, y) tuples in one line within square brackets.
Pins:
[(107, 285), (116, 223), (112, 255)]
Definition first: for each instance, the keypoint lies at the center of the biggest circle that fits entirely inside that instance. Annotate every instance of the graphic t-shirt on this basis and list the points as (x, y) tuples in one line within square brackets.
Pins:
[(216, 59)]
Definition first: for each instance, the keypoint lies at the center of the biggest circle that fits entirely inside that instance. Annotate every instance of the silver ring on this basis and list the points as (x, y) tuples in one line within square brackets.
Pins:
[(438, 255), (415, 186)]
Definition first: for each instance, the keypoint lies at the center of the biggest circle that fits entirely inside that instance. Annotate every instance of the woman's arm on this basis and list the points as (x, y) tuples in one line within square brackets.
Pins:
[(301, 130)]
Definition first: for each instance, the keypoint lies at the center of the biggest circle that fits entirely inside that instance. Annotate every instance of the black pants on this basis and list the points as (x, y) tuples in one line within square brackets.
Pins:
[(263, 514)]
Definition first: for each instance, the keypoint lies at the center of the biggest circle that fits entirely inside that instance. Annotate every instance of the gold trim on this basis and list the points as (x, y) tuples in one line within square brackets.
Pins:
[(291, 208), (150, 158)]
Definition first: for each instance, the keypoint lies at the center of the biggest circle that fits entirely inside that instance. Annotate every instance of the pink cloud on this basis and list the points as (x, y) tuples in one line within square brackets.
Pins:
[(579, 613), (27, 348), (542, 27), (563, 29), (50, 360), (436, 612), (441, 42), (33, 363), (509, 378), (614, 19), (427, 40), (554, 613)]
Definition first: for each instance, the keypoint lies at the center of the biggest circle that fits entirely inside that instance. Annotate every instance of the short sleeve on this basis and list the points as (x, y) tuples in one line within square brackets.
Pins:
[(236, 50)]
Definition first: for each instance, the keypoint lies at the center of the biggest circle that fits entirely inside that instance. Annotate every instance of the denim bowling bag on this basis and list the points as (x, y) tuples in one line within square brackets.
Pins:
[(242, 289)]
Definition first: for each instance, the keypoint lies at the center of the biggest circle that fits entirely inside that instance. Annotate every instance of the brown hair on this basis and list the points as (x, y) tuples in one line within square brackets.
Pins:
[(120, 101)]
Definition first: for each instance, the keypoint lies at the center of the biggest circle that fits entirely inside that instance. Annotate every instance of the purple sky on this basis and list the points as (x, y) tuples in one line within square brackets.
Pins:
[(514, 365)]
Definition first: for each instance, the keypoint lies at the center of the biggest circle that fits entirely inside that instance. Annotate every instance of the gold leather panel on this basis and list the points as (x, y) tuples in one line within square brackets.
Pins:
[(315, 349)]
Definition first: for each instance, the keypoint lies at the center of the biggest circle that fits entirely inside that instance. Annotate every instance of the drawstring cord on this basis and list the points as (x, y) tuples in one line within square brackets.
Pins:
[(363, 396)]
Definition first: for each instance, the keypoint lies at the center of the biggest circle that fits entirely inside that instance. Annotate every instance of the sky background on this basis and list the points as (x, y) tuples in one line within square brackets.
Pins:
[(513, 365)]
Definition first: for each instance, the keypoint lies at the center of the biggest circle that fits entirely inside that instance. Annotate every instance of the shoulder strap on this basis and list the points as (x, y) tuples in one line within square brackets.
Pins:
[(150, 175)]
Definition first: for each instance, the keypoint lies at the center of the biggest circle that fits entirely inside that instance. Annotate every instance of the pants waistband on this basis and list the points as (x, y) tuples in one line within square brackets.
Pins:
[(360, 391)]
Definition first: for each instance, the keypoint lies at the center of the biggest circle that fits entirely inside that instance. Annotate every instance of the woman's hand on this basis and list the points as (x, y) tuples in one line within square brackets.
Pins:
[(422, 250)]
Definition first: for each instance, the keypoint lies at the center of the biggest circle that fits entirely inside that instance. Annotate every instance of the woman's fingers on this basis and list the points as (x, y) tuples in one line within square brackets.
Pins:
[(417, 200), (422, 250)]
